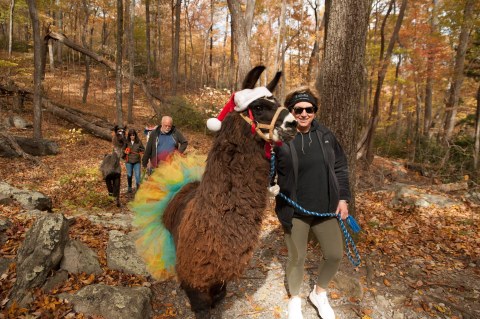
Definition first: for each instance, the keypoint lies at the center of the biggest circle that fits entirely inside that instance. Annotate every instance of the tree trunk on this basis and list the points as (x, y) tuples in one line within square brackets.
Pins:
[(86, 83), (315, 54), (14, 146), (176, 46), (159, 44), (147, 35), (118, 63), (368, 145), (10, 27), (457, 77), (242, 22), (280, 37), (131, 59), (342, 71), (476, 152), (427, 118), (59, 21), (37, 75)]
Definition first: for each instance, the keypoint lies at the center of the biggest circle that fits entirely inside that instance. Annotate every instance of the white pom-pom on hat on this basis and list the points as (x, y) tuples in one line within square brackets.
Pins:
[(214, 124)]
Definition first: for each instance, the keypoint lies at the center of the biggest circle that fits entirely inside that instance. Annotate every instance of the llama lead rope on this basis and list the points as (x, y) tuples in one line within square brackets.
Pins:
[(349, 243)]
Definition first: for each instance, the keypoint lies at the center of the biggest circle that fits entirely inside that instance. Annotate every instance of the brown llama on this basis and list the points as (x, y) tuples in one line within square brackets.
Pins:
[(111, 167), (216, 222)]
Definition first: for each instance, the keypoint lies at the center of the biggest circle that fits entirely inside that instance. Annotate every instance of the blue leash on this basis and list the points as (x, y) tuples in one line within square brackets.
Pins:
[(349, 243)]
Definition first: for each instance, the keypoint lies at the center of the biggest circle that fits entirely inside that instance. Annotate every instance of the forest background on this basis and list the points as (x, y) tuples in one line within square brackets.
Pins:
[(416, 71)]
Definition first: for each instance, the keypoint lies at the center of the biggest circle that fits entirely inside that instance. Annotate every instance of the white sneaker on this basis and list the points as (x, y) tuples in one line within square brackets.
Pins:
[(321, 302), (295, 308)]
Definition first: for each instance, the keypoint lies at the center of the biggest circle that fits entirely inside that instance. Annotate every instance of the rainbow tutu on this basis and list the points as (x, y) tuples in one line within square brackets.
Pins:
[(155, 243)]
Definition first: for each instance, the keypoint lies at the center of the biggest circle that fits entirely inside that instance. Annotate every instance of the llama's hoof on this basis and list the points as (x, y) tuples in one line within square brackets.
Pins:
[(204, 314)]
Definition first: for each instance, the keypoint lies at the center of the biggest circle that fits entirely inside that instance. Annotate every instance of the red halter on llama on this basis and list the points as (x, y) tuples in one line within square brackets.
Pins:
[(211, 214)]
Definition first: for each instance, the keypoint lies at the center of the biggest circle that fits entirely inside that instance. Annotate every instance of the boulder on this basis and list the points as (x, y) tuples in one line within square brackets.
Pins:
[(122, 254), (78, 257), (28, 199), (40, 253), (4, 226), (414, 196), (112, 302)]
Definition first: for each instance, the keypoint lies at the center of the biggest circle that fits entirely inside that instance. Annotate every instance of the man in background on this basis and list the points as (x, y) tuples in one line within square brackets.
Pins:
[(162, 143)]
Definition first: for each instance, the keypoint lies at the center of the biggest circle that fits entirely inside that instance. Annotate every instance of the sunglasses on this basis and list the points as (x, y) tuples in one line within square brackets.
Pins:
[(299, 110)]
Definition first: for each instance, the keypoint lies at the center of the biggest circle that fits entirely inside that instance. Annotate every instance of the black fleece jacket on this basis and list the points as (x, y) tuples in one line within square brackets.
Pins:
[(287, 172)]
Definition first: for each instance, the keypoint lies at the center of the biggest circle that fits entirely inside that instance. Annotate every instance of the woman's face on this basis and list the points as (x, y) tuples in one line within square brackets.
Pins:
[(304, 113), (132, 137)]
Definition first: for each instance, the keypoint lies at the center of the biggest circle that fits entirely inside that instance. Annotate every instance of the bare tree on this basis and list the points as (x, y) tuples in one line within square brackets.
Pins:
[(366, 144), (37, 74), (176, 46), (147, 36), (342, 72), (131, 57), (86, 83), (10, 27), (427, 118), (476, 152), (118, 62), (457, 77)]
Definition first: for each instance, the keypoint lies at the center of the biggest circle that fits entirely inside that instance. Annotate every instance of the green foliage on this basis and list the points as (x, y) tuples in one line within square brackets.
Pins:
[(6, 64), (432, 153), (390, 145), (185, 115), (74, 136)]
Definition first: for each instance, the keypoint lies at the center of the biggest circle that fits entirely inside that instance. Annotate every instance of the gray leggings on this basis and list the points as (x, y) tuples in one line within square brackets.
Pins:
[(329, 236)]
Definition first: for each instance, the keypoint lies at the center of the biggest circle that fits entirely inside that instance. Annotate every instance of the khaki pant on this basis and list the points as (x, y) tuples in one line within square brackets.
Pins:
[(330, 238)]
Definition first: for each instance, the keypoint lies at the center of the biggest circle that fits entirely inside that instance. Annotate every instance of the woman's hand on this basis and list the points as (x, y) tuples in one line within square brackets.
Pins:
[(342, 209)]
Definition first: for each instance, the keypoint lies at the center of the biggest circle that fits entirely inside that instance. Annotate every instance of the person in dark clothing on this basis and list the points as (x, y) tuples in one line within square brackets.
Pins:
[(132, 153), (162, 142), (312, 171)]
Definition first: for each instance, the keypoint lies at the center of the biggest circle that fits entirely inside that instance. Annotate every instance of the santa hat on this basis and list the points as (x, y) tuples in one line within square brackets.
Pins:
[(239, 102)]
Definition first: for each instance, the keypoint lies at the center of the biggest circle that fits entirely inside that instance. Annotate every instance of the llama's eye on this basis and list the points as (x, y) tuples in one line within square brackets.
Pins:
[(257, 108)]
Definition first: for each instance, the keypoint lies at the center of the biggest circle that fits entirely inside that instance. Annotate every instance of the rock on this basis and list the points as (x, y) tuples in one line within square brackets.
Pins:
[(4, 226), (122, 254), (112, 302), (55, 281), (414, 196), (4, 263), (28, 199), (41, 251), (17, 122), (349, 285), (78, 257)]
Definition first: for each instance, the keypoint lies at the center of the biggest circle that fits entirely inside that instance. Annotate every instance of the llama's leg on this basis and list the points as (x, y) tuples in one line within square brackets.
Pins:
[(116, 189), (109, 182), (200, 301), (218, 292)]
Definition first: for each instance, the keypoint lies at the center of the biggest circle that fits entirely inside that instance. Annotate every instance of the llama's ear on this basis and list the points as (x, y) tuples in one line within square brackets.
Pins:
[(252, 77), (273, 83)]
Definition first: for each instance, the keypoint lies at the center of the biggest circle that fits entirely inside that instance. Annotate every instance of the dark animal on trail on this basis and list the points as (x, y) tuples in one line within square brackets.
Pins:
[(216, 222), (111, 167)]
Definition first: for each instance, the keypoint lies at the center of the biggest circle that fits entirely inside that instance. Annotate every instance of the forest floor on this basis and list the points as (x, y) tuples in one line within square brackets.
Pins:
[(416, 262)]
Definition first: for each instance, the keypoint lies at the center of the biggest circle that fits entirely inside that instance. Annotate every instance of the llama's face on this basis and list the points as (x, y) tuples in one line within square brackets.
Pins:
[(119, 135), (264, 110)]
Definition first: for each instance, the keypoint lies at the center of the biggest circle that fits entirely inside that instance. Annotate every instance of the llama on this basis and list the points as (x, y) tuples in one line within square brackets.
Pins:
[(215, 222), (111, 167)]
